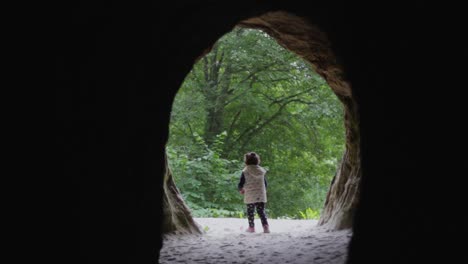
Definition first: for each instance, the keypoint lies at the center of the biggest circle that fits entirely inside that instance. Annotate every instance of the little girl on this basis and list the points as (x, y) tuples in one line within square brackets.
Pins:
[(253, 186)]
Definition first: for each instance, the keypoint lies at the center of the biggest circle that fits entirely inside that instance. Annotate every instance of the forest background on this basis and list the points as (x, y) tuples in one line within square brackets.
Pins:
[(250, 94)]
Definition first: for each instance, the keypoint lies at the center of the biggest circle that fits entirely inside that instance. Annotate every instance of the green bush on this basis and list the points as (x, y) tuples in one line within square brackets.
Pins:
[(310, 213), (208, 183)]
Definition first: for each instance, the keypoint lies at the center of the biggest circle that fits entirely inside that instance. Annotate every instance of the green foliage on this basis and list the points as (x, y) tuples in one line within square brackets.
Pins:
[(250, 94), (241, 214), (310, 214), (207, 181)]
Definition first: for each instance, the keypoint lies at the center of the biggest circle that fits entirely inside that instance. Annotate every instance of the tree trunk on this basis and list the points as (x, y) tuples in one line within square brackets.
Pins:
[(215, 95), (214, 123), (177, 216), (342, 197)]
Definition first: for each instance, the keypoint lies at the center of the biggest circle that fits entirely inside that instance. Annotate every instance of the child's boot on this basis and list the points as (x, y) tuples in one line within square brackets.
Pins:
[(250, 230), (266, 229)]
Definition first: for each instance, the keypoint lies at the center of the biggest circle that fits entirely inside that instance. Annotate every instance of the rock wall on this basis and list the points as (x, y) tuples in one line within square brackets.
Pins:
[(177, 216)]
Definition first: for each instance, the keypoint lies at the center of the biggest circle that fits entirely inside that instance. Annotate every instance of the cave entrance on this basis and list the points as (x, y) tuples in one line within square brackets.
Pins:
[(213, 144), (246, 94), (250, 94)]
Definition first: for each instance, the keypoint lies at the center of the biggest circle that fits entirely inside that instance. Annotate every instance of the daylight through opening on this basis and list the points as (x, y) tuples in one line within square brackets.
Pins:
[(251, 94)]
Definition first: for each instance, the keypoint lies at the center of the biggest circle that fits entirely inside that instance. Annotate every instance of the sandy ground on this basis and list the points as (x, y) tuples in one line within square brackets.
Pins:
[(290, 241)]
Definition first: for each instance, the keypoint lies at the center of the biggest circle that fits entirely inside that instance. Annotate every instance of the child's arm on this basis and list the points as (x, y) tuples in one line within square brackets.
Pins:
[(240, 186), (266, 184)]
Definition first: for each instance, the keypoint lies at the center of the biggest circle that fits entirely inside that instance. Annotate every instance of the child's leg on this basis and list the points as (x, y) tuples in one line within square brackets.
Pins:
[(250, 214), (261, 212)]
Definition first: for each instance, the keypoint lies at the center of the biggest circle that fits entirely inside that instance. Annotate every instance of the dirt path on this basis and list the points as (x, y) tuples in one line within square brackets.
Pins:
[(290, 241)]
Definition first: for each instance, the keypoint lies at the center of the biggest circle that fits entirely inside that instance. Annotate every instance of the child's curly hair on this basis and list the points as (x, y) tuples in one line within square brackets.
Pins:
[(251, 158)]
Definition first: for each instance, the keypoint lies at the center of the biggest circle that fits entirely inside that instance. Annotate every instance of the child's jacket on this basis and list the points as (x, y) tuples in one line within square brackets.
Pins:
[(254, 186)]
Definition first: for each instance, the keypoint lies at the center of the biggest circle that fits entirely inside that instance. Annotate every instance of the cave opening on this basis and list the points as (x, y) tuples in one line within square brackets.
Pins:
[(224, 109), (224, 83), (249, 93)]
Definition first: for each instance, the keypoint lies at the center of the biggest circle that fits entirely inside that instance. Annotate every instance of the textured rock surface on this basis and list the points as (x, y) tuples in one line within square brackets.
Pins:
[(177, 216)]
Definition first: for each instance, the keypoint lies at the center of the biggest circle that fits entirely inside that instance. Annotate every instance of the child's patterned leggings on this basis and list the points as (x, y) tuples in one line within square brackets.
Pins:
[(260, 210)]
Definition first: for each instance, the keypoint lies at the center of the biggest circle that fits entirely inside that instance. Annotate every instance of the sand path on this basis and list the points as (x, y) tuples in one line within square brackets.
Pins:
[(290, 241)]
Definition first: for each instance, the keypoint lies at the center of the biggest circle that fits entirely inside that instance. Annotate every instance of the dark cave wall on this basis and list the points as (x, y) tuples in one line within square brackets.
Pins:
[(392, 63), (119, 66)]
